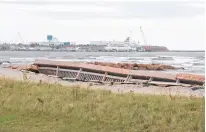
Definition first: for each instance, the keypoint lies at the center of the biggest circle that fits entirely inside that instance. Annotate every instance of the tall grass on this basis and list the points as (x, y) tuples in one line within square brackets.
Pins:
[(33, 107)]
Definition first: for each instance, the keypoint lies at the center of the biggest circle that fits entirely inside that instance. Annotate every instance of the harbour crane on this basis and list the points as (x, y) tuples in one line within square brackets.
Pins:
[(131, 36), (141, 30), (20, 38)]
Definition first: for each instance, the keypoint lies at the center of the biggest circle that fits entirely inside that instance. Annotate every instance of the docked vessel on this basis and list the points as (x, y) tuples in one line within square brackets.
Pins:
[(129, 46), (120, 46)]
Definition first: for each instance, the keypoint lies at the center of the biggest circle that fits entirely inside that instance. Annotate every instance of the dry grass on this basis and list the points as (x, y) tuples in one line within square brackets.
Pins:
[(30, 107)]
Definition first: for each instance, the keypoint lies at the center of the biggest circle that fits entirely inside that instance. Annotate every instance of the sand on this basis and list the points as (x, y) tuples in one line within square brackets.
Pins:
[(120, 88)]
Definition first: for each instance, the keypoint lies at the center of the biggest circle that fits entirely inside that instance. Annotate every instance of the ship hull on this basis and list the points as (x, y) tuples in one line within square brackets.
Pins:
[(155, 48)]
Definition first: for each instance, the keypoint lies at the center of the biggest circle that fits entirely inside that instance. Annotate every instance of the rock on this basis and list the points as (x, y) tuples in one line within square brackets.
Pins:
[(168, 67), (142, 66), (28, 67), (136, 66), (153, 67)]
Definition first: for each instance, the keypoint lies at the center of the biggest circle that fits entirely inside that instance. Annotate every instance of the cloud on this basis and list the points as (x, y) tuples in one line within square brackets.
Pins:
[(175, 24), (70, 10)]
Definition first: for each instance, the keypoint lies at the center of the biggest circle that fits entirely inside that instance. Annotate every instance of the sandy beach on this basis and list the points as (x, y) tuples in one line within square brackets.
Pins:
[(117, 88)]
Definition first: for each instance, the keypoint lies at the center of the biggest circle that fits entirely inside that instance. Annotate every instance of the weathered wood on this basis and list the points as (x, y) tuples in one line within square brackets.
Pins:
[(150, 79), (105, 75), (57, 71), (53, 76), (127, 79), (165, 84), (95, 81), (78, 74), (119, 74), (66, 78), (190, 77)]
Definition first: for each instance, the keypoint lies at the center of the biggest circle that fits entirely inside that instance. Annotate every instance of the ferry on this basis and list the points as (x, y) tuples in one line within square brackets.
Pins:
[(125, 46)]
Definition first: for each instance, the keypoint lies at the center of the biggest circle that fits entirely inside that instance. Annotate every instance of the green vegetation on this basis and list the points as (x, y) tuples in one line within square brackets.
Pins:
[(30, 107)]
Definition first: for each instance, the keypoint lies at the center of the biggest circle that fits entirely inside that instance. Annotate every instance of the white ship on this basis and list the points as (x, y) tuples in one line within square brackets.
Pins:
[(118, 46), (125, 46)]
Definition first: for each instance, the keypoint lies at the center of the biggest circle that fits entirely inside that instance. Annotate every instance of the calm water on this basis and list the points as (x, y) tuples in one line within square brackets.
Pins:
[(193, 62)]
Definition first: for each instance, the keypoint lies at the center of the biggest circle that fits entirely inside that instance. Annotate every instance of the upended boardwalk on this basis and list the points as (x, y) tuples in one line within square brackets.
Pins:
[(91, 72)]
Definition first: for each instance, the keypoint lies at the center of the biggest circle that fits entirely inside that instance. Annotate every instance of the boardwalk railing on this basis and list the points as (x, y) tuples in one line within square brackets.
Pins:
[(90, 72)]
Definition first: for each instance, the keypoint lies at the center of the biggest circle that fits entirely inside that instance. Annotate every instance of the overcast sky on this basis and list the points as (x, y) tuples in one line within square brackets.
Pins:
[(175, 24)]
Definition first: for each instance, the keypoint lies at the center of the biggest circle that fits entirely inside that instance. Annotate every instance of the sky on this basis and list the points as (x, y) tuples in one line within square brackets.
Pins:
[(179, 25)]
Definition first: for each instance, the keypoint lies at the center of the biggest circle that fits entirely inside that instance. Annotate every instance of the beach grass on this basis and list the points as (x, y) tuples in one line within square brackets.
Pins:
[(39, 107)]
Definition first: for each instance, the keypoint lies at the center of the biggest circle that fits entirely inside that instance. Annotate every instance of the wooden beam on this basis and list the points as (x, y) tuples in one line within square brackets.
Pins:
[(104, 77), (78, 74), (57, 71)]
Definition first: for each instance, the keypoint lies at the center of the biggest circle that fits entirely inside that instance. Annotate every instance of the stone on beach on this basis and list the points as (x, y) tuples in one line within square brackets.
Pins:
[(28, 67), (134, 66)]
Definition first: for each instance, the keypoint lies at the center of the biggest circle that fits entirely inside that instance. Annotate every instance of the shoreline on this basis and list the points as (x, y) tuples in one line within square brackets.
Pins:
[(111, 51), (116, 88)]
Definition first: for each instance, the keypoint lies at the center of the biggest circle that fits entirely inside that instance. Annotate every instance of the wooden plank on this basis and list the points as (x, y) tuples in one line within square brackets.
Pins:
[(60, 69), (53, 76), (128, 78), (95, 81), (92, 73), (57, 71), (167, 83), (192, 77), (150, 79), (105, 75), (138, 80), (66, 78), (153, 74), (81, 65), (78, 74)]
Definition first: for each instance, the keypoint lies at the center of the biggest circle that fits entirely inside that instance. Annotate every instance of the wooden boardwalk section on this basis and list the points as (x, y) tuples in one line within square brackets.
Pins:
[(90, 72)]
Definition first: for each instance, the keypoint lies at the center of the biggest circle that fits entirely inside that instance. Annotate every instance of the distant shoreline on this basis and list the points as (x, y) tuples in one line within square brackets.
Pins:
[(107, 51), (186, 51)]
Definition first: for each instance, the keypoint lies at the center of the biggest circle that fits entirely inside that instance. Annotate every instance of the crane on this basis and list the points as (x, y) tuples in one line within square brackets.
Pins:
[(131, 36), (20, 37), (141, 30)]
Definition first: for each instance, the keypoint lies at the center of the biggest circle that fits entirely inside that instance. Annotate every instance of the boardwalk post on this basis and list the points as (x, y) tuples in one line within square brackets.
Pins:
[(78, 74), (104, 77), (128, 78), (57, 71)]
